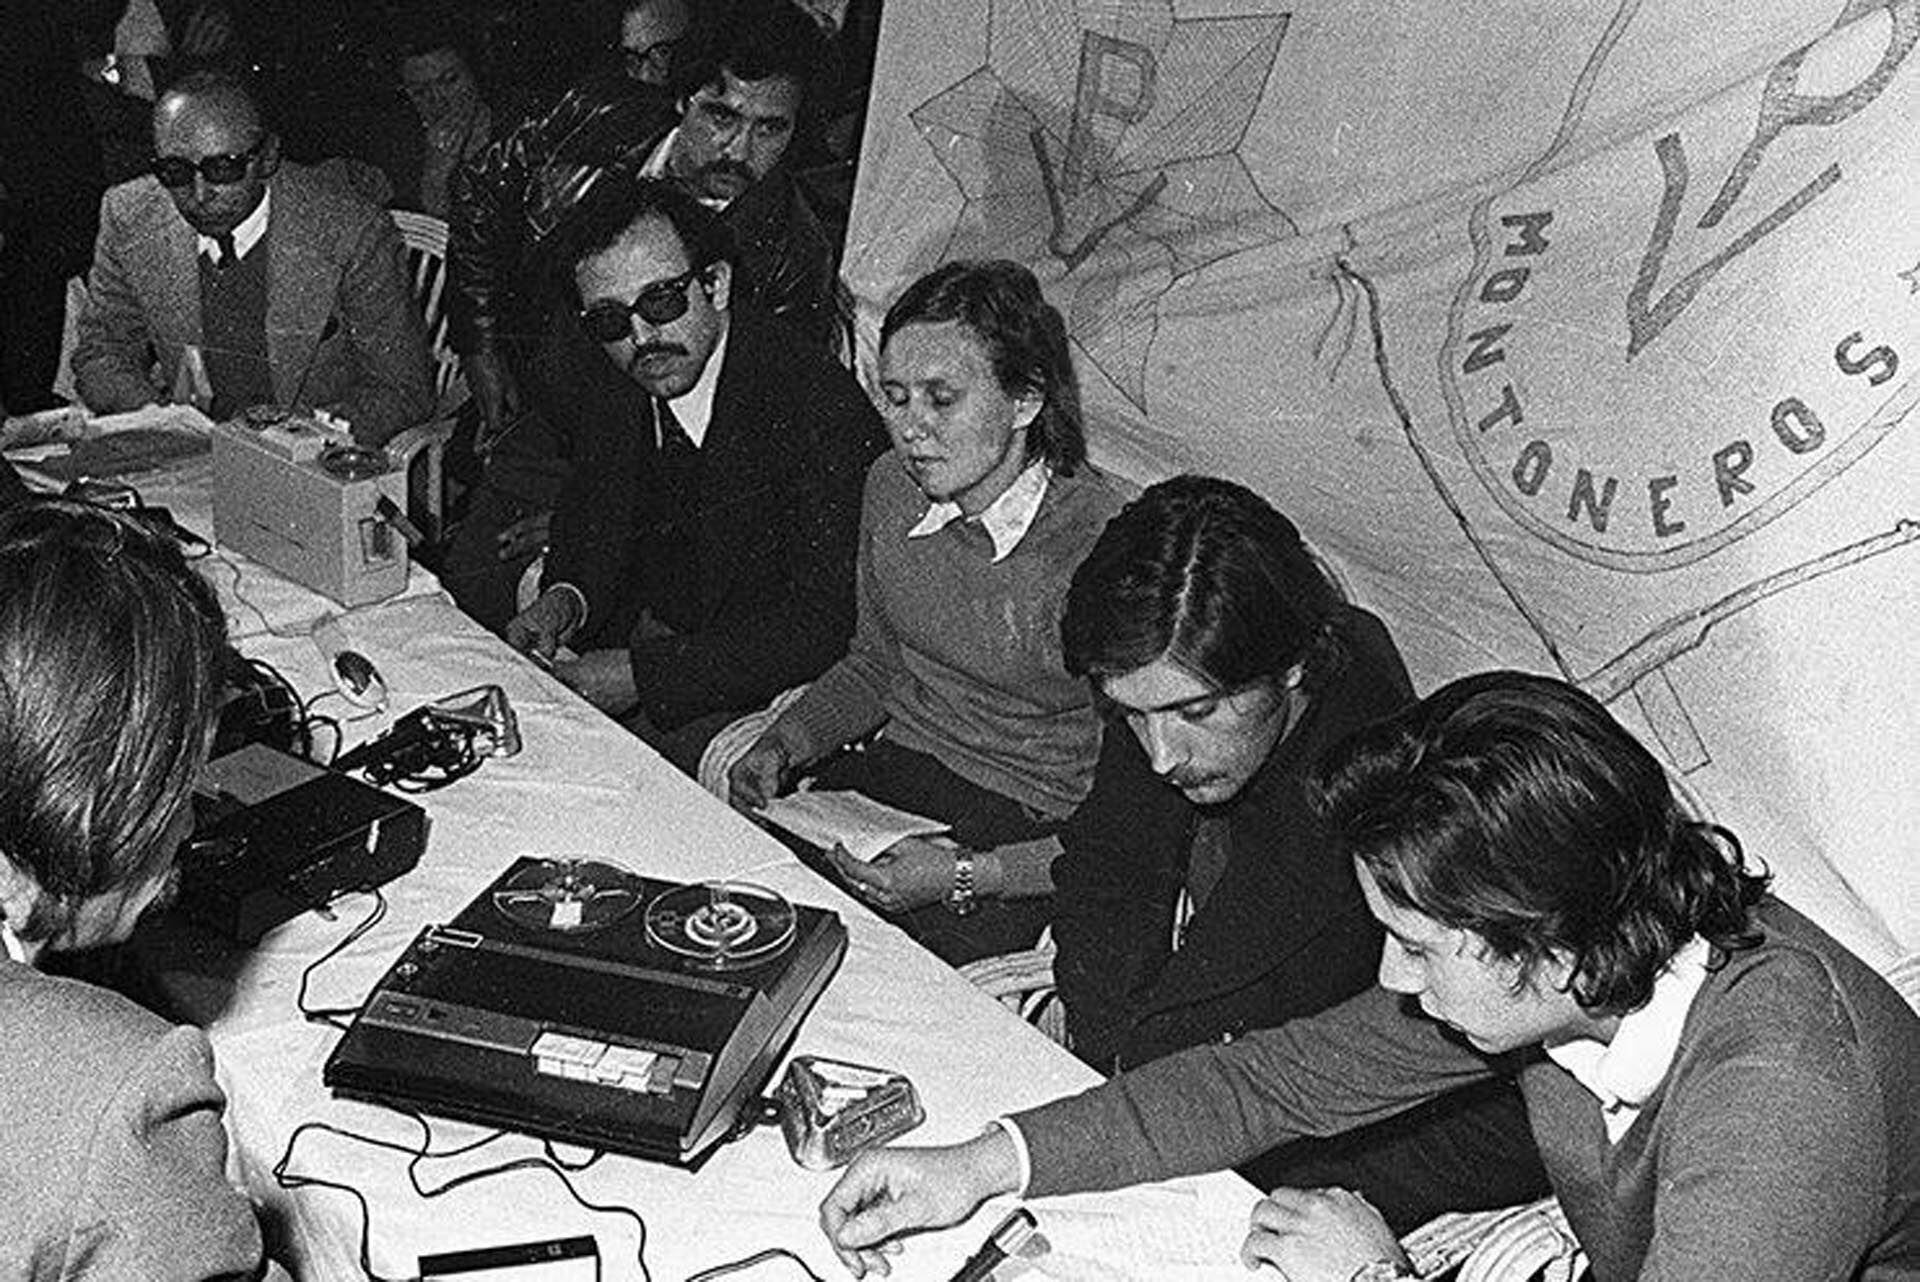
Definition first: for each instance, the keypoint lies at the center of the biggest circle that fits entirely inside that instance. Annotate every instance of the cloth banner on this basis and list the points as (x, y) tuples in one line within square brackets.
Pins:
[(1581, 338)]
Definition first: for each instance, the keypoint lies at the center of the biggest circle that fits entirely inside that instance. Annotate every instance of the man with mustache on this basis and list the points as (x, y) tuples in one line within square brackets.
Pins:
[(703, 549), (1197, 895), (721, 126)]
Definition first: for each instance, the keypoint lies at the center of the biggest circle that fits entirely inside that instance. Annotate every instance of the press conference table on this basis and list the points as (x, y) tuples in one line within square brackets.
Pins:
[(582, 786)]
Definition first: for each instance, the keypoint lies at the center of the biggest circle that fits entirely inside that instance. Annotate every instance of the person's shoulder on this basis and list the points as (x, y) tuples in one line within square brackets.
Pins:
[(136, 201), (1798, 964), (88, 1029), (340, 183), (1802, 1002), (772, 350), (1373, 663), (1095, 489)]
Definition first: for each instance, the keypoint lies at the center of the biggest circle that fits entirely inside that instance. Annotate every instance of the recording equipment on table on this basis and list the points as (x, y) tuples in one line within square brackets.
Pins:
[(258, 706), (439, 742), (830, 1110), (275, 836), (297, 494), (582, 1003), (1015, 1235)]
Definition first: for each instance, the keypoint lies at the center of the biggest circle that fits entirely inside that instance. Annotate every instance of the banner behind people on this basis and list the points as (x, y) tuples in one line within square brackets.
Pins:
[(1582, 338)]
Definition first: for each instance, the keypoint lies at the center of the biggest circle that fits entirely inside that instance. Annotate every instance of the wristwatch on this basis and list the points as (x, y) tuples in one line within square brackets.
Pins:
[(1382, 1271), (960, 900)]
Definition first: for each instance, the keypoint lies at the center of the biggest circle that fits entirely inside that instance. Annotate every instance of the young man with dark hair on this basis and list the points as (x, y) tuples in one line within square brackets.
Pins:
[(1719, 1089), (1199, 896)]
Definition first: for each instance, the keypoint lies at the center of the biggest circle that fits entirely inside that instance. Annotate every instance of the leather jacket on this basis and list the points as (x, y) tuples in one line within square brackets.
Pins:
[(509, 199)]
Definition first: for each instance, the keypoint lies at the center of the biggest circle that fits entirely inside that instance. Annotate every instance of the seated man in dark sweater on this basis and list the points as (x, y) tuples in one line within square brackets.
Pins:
[(1199, 897), (703, 550), (1720, 1089)]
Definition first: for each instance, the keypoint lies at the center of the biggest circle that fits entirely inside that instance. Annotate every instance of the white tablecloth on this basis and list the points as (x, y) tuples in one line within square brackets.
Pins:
[(584, 786)]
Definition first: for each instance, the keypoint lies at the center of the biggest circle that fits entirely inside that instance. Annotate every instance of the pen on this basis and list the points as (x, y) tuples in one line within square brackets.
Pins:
[(1001, 1243)]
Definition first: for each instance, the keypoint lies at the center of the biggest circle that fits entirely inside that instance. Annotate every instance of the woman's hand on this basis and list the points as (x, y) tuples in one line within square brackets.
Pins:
[(1318, 1235), (888, 1192), (760, 774), (911, 873)]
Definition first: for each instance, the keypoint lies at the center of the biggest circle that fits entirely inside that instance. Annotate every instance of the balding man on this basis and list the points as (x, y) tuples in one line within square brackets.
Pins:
[(292, 289)]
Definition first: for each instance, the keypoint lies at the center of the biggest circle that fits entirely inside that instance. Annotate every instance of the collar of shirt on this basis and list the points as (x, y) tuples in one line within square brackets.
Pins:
[(246, 235), (656, 167), (693, 408), (1624, 1073), (1006, 520)]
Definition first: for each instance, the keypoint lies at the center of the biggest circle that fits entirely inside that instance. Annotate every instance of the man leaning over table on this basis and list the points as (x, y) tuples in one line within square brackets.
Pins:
[(291, 288), (1719, 1089), (703, 549)]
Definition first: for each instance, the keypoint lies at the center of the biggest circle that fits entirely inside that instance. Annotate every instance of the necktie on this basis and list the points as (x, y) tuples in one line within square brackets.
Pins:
[(228, 254), (674, 441)]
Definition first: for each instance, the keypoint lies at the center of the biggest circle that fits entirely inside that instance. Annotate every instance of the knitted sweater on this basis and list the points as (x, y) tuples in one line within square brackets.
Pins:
[(958, 656), (1783, 1144)]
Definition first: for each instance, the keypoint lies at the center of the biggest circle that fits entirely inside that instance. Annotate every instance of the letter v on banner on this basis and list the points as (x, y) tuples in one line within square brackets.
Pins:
[(1781, 108)]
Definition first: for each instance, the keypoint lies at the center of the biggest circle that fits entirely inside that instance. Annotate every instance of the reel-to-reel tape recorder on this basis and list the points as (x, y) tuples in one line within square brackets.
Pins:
[(579, 1002)]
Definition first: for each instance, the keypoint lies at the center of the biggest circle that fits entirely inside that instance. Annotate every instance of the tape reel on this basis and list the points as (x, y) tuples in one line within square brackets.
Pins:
[(722, 925), (568, 895)]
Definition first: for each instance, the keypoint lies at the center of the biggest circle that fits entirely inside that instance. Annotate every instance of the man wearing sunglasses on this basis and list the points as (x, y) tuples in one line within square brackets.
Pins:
[(702, 553), (722, 127), (291, 289)]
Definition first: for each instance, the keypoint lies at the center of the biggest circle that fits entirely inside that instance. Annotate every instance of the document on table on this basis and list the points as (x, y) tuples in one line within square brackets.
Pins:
[(852, 820)]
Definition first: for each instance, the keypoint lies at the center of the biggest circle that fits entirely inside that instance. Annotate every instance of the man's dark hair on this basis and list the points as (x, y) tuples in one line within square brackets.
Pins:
[(110, 663), (1000, 304), (755, 40), (616, 203), (1205, 574), (1513, 806)]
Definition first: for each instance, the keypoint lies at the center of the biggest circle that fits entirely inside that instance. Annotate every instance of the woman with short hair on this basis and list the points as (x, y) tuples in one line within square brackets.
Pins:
[(970, 531)]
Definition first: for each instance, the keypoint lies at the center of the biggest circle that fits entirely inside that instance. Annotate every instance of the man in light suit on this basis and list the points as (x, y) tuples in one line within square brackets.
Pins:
[(703, 549), (291, 289)]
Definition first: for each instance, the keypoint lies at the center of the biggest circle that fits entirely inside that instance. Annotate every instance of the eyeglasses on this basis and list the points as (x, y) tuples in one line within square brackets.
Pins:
[(638, 62), (660, 303), (172, 171)]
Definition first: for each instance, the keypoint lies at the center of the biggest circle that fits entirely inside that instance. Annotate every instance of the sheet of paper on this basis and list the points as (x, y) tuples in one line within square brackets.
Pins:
[(855, 821)]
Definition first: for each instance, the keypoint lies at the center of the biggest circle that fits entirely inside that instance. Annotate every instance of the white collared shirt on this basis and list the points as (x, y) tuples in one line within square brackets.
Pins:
[(1624, 1073), (245, 236), (693, 408), (1006, 520)]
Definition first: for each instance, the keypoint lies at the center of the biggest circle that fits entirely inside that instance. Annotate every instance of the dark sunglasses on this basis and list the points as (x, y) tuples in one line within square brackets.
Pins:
[(634, 61), (172, 171), (660, 303)]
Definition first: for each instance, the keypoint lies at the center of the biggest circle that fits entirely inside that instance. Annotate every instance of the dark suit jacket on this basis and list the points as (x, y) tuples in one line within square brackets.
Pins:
[(343, 331), (116, 1157), (782, 464), (1284, 933)]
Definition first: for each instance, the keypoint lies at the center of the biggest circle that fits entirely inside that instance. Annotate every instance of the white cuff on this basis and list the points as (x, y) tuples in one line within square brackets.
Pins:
[(1012, 1131)]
